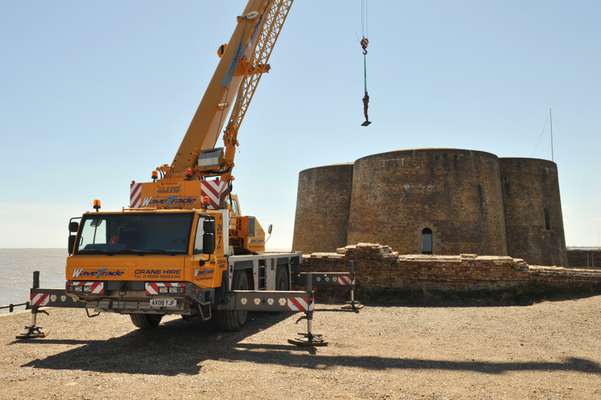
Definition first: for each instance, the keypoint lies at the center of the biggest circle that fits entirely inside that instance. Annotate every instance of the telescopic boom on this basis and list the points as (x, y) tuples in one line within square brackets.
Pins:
[(243, 61)]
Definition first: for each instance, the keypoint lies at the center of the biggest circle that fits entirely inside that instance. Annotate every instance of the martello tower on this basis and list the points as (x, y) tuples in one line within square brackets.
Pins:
[(434, 201)]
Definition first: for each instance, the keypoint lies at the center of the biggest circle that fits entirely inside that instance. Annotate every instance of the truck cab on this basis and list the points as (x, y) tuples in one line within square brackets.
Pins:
[(149, 263)]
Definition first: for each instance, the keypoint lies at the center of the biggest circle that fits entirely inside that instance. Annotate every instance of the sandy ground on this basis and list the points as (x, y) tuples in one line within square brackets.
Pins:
[(549, 350)]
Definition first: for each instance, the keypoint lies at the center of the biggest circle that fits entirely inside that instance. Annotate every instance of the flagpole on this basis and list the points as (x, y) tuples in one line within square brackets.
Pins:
[(551, 124)]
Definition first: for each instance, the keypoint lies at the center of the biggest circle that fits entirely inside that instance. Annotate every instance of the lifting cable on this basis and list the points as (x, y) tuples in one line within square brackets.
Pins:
[(364, 43)]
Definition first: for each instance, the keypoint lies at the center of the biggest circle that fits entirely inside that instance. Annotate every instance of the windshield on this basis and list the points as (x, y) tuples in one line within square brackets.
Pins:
[(135, 234)]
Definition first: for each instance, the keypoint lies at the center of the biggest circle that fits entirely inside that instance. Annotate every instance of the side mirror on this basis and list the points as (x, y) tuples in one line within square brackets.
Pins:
[(208, 243), (270, 228), (73, 227), (71, 243)]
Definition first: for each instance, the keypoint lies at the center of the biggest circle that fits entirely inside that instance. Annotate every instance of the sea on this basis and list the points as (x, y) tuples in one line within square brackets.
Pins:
[(16, 272)]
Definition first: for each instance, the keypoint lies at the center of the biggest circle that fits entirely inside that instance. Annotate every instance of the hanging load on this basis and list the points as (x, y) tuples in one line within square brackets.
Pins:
[(364, 43)]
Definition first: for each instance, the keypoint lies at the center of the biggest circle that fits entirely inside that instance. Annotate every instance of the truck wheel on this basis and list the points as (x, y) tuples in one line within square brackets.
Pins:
[(282, 281), (146, 321), (234, 320)]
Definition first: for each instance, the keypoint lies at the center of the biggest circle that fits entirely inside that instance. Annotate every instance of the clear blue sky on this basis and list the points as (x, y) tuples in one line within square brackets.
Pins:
[(94, 94)]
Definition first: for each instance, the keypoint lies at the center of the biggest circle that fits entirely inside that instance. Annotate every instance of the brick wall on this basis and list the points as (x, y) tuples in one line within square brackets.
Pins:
[(378, 267), (454, 193), (533, 216)]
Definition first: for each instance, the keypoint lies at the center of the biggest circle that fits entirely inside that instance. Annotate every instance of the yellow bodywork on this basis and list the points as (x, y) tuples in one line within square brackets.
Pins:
[(180, 193), (176, 268), (150, 267), (172, 193)]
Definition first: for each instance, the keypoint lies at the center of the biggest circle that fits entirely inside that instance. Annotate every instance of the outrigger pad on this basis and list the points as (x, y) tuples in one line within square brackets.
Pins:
[(33, 332), (308, 340), (352, 306), (366, 123)]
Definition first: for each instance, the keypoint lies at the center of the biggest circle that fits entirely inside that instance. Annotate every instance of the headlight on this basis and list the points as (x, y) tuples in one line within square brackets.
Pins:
[(163, 289), (173, 290)]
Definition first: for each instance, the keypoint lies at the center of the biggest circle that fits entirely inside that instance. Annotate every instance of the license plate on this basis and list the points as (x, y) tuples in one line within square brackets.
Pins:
[(163, 302)]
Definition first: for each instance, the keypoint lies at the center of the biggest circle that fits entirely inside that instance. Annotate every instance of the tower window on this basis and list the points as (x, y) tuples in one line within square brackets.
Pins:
[(547, 220), (427, 241)]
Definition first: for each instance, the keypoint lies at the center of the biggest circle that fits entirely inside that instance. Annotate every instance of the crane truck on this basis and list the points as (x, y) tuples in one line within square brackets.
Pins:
[(183, 246)]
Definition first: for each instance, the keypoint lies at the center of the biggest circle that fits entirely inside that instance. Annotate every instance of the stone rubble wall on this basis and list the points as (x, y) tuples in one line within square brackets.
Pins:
[(378, 267)]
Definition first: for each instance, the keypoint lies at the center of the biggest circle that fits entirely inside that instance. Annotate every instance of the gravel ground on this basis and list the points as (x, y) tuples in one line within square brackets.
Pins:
[(549, 350)]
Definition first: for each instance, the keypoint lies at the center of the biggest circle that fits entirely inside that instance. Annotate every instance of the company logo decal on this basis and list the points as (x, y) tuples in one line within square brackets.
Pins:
[(171, 201), (96, 273), (168, 189), (160, 273)]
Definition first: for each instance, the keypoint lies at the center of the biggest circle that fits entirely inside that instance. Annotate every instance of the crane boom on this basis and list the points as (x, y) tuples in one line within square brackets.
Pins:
[(202, 258), (243, 61), (274, 19)]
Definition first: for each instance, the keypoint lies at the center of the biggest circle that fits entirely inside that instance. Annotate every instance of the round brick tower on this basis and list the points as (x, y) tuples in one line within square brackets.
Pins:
[(533, 211), (322, 208), (439, 201)]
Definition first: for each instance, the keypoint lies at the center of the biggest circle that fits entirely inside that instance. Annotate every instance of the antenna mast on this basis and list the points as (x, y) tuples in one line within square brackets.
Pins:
[(551, 125)]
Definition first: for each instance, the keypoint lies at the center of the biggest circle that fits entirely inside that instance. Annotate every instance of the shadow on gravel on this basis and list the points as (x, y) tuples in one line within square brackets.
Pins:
[(180, 347), (176, 347), (384, 363)]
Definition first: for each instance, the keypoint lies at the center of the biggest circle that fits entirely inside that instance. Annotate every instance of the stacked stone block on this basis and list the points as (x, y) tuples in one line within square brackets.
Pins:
[(378, 267)]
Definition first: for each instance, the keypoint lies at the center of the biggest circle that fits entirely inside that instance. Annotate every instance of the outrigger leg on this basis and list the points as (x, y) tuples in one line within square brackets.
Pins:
[(34, 331), (308, 339), (353, 304)]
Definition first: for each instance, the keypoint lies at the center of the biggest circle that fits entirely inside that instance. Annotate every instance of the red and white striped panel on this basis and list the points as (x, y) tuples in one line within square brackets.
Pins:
[(94, 286), (154, 287), (345, 280), (135, 194), (299, 303), (215, 190), (39, 299)]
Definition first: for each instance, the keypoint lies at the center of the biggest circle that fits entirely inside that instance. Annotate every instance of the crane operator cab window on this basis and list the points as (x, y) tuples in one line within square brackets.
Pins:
[(204, 241)]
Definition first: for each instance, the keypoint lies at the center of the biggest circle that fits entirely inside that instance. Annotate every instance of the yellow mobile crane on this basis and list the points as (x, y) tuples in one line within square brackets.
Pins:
[(183, 247)]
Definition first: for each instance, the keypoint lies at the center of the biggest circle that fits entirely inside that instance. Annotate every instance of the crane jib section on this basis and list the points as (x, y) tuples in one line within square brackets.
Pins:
[(243, 61)]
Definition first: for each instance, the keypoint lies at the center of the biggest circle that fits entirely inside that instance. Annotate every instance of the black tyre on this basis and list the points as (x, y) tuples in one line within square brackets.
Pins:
[(234, 320), (282, 280), (146, 321)]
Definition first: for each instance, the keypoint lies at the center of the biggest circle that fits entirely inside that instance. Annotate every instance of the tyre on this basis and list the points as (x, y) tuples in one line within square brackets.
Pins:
[(282, 279), (234, 320), (146, 321), (282, 282)]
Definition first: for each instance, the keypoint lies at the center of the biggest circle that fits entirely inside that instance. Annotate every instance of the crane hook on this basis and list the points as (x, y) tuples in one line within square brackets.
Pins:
[(364, 43)]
